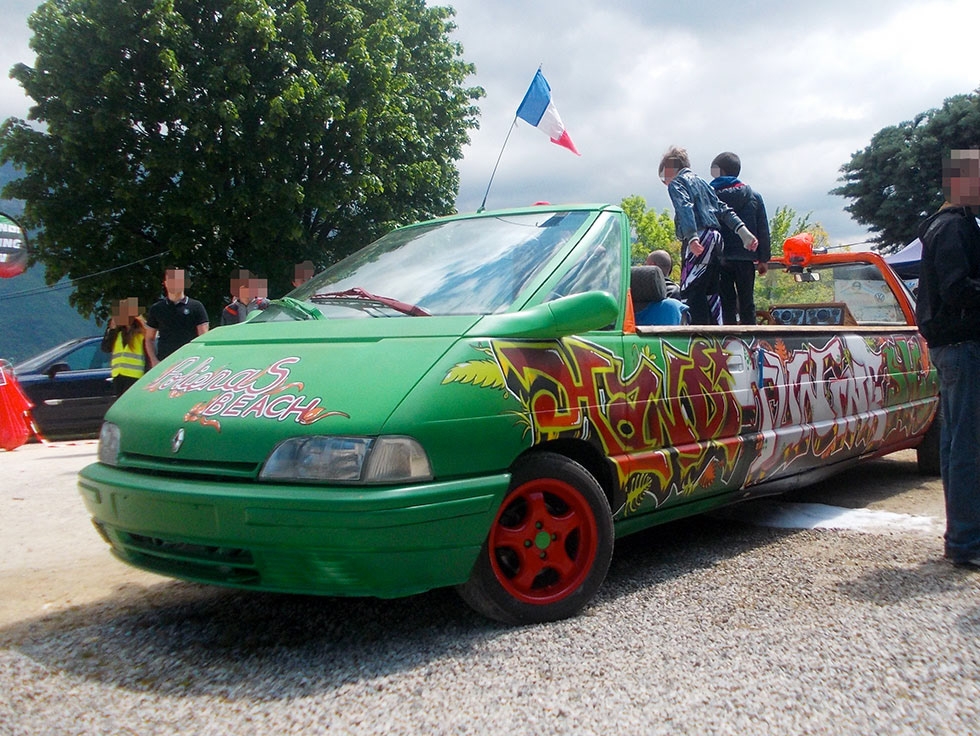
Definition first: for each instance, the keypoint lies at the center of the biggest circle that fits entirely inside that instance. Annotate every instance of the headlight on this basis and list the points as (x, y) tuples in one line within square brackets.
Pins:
[(109, 444), (385, 459)]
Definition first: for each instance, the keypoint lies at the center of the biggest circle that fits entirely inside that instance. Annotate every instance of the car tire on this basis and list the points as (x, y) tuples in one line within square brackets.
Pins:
[(549, 547), (927, 453)]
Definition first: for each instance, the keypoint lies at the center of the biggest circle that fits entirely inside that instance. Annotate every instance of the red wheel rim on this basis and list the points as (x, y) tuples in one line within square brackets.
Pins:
[(543, 542)]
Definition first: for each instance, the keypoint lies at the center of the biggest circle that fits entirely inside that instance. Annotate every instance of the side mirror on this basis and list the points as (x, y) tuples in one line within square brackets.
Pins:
[(57, 368), (806, 276), (568, 315)]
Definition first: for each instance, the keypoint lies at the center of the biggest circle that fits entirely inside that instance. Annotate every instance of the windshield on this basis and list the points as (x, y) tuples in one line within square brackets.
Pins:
[(454, 267)]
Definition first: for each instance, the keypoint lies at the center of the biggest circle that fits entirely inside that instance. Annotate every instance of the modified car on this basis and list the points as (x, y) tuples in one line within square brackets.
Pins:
[(469, 402)]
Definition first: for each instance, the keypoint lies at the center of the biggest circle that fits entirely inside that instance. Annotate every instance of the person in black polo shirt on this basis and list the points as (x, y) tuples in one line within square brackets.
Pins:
[(177, 319)]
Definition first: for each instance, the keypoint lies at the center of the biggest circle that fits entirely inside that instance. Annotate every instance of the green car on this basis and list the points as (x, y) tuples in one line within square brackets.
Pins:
[(467, 402)]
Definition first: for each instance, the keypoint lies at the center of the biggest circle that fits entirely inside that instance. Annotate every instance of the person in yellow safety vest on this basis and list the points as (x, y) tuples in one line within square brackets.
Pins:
[(124, 339)]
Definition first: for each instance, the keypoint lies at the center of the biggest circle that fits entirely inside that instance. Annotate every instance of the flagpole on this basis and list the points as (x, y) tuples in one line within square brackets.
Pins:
[(500, 155), (486, 194)]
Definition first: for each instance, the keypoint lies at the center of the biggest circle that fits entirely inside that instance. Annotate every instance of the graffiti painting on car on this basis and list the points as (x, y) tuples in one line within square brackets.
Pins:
[(698, 416)]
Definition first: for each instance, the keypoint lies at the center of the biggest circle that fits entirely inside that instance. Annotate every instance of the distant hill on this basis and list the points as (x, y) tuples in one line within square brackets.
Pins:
[(34, 317)]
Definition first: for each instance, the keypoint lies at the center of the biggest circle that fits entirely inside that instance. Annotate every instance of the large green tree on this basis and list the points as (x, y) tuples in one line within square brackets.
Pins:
[(231, 133), (897, 179)]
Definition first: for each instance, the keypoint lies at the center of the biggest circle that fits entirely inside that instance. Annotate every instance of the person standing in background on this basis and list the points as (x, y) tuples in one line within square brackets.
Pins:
[(124, 340), (176, 319), (948, 315), (302, 272), (736, 272), (249, 293)]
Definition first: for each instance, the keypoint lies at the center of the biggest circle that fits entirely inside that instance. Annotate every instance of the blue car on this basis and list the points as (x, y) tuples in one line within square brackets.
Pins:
[(70, 387)]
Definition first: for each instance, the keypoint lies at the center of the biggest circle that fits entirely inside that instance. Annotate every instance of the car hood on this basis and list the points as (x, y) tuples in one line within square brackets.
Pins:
[(226, 399)]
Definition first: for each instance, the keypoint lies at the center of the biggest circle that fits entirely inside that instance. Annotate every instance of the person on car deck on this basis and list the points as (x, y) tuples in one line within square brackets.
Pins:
[(736, 273), (665, 262), (697, 214)]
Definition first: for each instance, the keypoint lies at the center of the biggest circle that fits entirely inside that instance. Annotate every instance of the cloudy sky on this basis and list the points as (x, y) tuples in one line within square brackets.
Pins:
[(794, 88)]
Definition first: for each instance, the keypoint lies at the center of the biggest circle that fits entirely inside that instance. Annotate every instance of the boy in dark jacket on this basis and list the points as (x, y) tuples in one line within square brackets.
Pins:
[(948, 314), (738, 264)]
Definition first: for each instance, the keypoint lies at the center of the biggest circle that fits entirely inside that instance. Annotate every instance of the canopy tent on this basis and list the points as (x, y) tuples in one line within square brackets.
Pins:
[(906, 262)]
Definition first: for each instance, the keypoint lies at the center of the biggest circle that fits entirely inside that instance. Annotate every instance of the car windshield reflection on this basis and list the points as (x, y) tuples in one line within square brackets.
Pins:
[(40, 361), (452, 267)]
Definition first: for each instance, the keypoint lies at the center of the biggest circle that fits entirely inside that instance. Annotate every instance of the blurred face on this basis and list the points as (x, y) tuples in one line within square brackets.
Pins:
[(125, 310), (302, 273), (667, 174), (961, 174), (173, 281)]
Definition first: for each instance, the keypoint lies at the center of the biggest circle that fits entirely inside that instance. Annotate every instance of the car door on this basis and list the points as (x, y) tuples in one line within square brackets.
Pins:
[(76, 392), (694, 402)]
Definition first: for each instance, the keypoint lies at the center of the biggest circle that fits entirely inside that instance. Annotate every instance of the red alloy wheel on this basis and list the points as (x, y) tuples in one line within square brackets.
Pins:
[(543, 542)]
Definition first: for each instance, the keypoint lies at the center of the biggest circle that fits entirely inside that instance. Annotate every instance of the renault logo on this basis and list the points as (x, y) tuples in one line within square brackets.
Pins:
[(177, 441)]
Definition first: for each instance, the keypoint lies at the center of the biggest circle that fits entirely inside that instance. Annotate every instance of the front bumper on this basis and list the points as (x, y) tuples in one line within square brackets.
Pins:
[(342, 541)]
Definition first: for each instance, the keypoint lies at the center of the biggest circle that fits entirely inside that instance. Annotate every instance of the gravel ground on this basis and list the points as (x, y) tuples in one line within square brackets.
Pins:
[(706, 626)]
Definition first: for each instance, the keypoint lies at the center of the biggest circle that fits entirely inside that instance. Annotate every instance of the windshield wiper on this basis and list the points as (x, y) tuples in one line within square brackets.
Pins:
[(359, 294), (296, 306)]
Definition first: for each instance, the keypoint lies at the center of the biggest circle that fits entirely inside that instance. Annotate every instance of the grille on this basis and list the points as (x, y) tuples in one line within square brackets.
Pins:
[(197, 561), (190, 468)]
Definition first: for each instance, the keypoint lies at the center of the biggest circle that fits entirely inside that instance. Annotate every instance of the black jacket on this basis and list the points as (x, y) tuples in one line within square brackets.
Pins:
[(948, 305), (751, 210)]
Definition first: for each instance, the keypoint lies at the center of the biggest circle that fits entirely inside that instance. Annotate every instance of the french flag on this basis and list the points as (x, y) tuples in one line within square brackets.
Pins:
[(538, 109)]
